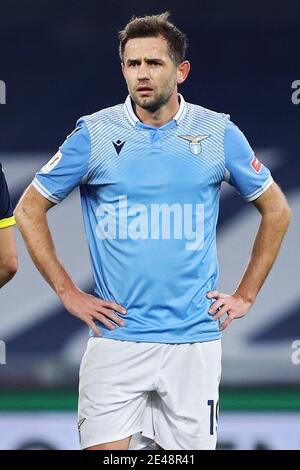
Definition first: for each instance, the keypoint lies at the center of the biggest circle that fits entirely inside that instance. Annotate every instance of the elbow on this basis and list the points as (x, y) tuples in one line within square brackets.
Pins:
[(12, 267), (18, 212), (9, 266), (283, 217), (21, 213), (280, 217), (286, 213)]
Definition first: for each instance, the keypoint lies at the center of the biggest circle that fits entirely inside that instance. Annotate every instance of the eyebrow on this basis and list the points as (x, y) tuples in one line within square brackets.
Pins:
[(130, 61)]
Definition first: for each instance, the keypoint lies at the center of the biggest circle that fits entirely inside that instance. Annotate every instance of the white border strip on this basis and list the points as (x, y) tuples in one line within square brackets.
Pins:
[(43, 191), (259, 191)]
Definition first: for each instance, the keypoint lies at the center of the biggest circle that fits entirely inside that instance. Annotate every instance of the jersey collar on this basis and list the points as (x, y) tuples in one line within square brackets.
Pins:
[(134, 120)]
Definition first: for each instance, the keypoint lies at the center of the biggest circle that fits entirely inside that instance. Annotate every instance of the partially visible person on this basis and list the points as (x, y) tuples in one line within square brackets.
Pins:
[(8, 250)]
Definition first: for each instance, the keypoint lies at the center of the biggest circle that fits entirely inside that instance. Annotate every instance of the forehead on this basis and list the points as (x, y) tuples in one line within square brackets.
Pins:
[(146, 47)]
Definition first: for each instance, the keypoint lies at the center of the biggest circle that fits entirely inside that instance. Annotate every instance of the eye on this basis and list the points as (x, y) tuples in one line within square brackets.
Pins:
[(154, 63)]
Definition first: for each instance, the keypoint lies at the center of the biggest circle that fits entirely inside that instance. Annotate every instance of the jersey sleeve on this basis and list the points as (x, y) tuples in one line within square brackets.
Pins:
[(67, 167), (242, 169), (6, 212)]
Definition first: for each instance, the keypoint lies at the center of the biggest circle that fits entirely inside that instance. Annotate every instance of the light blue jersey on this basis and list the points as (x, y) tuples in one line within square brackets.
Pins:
[(150, 201)]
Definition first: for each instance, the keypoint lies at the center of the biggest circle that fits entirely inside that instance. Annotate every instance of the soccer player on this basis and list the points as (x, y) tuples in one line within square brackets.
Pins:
[(8, 251), (150, 172)]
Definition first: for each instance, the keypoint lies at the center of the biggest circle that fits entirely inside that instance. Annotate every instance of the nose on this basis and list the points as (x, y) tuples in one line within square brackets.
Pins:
[(143, 72)]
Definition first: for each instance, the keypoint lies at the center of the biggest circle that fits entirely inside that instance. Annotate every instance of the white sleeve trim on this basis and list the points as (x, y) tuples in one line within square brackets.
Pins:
[(43, 191), (259, 191)]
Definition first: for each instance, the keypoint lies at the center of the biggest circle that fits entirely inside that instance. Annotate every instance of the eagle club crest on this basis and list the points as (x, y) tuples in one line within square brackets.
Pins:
[(195, 142)]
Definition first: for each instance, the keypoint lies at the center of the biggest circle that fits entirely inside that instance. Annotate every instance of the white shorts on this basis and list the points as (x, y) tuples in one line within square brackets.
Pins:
[(164, 392)]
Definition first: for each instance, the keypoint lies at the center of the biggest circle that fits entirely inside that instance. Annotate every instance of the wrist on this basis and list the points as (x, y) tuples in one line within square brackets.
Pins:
[(65, 290), (246, 297)]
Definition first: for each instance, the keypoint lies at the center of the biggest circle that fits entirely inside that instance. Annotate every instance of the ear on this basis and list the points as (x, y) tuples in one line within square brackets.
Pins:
[(183, 70), (123, 69)]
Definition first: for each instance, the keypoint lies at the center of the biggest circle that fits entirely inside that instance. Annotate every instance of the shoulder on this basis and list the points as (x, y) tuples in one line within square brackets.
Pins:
[(111, 115), (209, 114), (234, 136)]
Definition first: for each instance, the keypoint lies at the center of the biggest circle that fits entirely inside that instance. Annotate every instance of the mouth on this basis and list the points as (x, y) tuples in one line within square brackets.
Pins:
[(144, 90)]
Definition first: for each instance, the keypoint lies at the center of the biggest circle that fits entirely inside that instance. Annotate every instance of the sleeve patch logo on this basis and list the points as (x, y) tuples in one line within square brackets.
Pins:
[(52, 163), (256, 164)]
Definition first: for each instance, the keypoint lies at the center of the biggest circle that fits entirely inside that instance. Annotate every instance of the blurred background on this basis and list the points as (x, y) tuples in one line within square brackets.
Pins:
[(59, 61)]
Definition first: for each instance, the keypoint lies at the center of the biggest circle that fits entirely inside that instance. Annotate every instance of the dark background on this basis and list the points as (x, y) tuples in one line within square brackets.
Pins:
[(59, 60)]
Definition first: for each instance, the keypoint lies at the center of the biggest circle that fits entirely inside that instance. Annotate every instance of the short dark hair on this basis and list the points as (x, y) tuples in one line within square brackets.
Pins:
[(153, 26)]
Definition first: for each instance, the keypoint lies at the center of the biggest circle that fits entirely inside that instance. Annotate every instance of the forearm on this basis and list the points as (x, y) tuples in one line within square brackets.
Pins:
[(36, 234), (267, 243)]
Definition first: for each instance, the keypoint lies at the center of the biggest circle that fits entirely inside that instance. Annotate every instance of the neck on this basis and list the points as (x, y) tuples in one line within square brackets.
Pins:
[(160, 117)]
